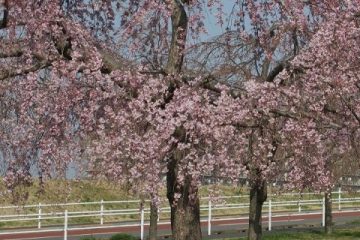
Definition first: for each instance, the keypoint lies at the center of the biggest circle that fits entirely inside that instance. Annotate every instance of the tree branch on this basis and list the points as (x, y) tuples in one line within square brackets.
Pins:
[(10, 73), (4, 6), (302, 115), (10, 49), (179, 28), (273, 74), (347, 104)]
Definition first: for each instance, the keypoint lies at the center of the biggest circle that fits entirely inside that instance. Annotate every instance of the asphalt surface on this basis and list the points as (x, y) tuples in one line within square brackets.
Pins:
[(220, 227)]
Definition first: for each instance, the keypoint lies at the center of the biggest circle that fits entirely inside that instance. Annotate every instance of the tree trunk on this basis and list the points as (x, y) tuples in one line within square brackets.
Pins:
[(179, 21), (183, 198), (153, 221), (328, 213), (185, 210), (258, 195)]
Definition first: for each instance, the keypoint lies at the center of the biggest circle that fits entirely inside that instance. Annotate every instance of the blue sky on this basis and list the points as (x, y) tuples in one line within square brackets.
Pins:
[(210, 23)]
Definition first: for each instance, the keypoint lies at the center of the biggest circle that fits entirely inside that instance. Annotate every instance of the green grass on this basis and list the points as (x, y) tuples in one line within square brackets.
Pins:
[(88, 238), (339, 234), (122, 236), (311, 236)]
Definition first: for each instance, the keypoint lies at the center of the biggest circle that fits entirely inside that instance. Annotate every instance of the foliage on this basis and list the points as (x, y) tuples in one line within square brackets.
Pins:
[(122, 236), (88, 238)]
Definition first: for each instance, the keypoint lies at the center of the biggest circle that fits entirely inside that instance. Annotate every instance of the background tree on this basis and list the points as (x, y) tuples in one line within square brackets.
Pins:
[(329, 87), (261, 43)]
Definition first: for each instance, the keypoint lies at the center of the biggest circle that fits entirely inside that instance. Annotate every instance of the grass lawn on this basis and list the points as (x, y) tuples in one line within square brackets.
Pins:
[(339, 234)]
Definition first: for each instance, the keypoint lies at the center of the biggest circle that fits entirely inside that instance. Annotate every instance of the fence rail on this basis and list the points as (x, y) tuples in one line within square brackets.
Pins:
[(209, 208)]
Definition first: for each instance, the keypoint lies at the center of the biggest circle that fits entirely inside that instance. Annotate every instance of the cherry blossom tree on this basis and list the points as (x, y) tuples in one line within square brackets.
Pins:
[(67, 93), (271, 36), (329, 86), (57, 57)]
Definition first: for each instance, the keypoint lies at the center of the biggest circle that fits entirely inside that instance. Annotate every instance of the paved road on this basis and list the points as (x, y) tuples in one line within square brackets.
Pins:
[(218, 226)]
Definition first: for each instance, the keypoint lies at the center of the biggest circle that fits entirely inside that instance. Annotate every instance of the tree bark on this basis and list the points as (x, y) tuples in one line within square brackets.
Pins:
[(185, 210), (4, 7), (178, 39), (183, 198), (328, 213), (153, 221), (258, 195)]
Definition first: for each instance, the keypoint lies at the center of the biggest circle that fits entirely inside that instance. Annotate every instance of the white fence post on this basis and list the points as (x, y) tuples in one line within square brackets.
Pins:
[(323, 212), (209, 218), (339, 198), (39, 215), (65, 224), (270, 213), (102, 212), (142, 221), (299, 204), (158, 213)]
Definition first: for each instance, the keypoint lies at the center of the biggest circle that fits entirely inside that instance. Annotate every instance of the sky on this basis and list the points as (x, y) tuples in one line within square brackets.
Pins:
[(211, 25)]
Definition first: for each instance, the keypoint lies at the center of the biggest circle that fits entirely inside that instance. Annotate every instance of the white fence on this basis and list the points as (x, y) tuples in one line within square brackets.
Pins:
[(208, 208)]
